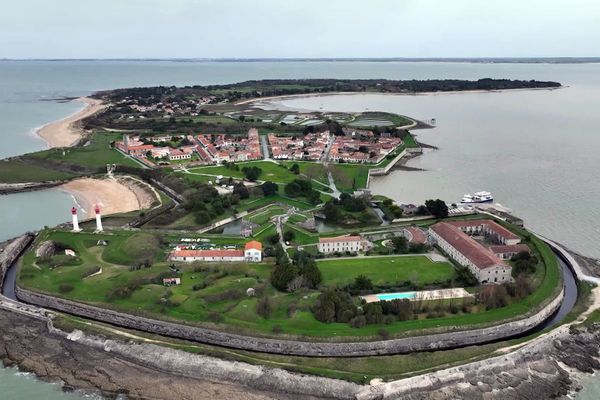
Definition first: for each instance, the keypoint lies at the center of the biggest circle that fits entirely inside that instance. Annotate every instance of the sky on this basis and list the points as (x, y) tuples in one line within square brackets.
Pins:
[(298, 28)]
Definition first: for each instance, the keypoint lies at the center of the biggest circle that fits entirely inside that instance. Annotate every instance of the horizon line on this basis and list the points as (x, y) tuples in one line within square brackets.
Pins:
[(560, 59)]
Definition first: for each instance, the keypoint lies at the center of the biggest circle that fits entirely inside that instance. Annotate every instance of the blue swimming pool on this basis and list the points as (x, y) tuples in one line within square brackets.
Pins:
[(394, 296)]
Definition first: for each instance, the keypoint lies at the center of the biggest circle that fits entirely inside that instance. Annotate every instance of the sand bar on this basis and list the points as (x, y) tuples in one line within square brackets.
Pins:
[(65, 132), (113, 195)]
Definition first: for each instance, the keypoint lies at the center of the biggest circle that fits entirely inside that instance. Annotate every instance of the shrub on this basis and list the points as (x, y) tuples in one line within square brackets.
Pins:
[(358, 321), (385, 335), (227, 295), (198, 286), (277, 329), (90, 271), (214, 317), (263, 307), (65, 287), (362, 282)]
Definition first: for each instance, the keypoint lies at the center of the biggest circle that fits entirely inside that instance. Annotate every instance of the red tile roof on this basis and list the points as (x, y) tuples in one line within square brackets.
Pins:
[(509, 248), (208, 253), (493, 226), (480, 256), (417, 235), (253, 244), (340, 239)]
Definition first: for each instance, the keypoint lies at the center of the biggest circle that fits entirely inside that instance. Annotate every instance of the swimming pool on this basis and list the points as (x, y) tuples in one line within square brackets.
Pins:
[(394, 296)]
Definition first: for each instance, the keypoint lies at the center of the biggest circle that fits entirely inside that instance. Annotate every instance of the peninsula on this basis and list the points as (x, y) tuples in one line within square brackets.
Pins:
[(251, 251)]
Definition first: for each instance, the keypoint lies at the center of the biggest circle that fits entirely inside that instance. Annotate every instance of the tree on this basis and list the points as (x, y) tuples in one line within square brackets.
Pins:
[(295, 169), (252, 173), (437, 208), (331, 211), (361, 282), (282, 275), (373, 313), (269, 188), (241, 190), (400, 244), (493, 296), (288, 236)]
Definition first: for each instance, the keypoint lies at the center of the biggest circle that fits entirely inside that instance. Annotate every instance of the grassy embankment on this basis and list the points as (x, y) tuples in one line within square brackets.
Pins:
[(385, 270), (222, 298), (64, 163)]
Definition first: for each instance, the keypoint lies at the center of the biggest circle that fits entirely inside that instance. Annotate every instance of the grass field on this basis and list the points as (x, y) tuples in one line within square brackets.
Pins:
[(385, 270), (15, 171), (271, 171), (219, 298), (96, 155)]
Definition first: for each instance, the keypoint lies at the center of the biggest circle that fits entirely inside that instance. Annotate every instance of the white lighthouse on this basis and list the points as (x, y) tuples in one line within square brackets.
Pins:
[(75, 220), (98, 219)]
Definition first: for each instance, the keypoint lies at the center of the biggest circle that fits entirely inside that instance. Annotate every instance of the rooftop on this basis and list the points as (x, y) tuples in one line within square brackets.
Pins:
[(340, 239), (480, 256)]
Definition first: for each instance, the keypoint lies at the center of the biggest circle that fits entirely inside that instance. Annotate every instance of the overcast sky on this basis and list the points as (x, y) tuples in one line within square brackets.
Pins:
[(298, 28)]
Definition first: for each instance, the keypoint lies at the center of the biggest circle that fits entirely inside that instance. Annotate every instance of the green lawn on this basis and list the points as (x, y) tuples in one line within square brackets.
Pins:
[(236, 312), (15, 171), (96, 155), (271, 171), (385, 270)]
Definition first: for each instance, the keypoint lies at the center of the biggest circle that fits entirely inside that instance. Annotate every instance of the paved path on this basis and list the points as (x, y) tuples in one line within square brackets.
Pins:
[(265, 147), (582, 276)]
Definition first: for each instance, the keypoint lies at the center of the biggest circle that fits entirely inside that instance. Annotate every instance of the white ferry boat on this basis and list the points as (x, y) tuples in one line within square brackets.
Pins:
[(479, 197)]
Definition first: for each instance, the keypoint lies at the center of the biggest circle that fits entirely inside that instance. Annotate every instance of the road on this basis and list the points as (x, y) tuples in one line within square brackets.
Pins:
[(265, 147)]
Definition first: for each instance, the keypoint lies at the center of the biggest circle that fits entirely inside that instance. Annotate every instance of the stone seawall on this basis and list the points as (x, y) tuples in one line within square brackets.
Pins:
[(8, 188), (11, 252), (439, 341)]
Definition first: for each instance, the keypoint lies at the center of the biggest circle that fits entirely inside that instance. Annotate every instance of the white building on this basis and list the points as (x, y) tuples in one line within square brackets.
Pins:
[(252, 252), (341, 244), (482, 262)]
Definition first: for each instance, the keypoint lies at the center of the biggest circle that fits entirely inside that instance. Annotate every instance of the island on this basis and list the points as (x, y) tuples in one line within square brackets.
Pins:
[(251, 251)]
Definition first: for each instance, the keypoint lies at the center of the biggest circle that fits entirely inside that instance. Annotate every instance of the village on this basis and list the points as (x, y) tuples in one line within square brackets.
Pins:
[(355, 146)]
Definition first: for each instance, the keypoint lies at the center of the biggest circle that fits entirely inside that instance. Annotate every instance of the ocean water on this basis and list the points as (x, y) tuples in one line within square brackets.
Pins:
[(536, 150)]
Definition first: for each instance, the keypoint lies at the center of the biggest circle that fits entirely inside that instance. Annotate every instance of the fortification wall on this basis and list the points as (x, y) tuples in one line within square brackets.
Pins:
[(438, 341)]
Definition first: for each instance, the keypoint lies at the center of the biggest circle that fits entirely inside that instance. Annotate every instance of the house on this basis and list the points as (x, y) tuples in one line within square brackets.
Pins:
[(171, 281), (341, 244), (486, 266), (253, 251), (177, 154)]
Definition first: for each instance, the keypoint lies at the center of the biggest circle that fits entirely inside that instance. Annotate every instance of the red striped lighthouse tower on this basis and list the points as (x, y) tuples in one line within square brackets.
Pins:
[(98, 218), (75, 220)]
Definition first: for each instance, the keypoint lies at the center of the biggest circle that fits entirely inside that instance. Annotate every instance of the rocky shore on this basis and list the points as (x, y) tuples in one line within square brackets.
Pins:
[(542, 369)]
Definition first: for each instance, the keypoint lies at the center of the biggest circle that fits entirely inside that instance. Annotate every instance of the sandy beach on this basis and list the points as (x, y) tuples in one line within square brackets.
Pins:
[(65, 132), (114, 195)]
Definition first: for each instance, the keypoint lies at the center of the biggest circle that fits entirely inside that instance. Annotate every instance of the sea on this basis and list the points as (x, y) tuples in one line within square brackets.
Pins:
[(537, 151)]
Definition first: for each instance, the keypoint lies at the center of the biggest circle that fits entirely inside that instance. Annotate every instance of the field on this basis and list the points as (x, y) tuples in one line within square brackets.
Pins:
[(213, 294), (271, 171), (15, 171), (95, 155), (385, 270)]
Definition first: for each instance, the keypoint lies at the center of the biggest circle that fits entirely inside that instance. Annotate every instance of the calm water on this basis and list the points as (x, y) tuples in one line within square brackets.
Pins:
[(535, 150)]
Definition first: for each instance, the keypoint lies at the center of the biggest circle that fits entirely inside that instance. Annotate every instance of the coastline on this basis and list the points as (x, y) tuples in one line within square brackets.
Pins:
[(64, 132), (114, 195), (270, 99)]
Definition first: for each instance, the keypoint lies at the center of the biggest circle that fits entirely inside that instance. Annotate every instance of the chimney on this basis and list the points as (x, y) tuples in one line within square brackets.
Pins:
[(75, 220), (98, 219)]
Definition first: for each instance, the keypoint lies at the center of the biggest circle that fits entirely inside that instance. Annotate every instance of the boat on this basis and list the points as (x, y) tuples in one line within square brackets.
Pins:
[(479, 197)]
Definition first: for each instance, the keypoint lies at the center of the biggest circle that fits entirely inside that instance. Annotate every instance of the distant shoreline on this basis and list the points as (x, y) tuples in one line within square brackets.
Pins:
[(270, 99), (63, 132), (466, 60)]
